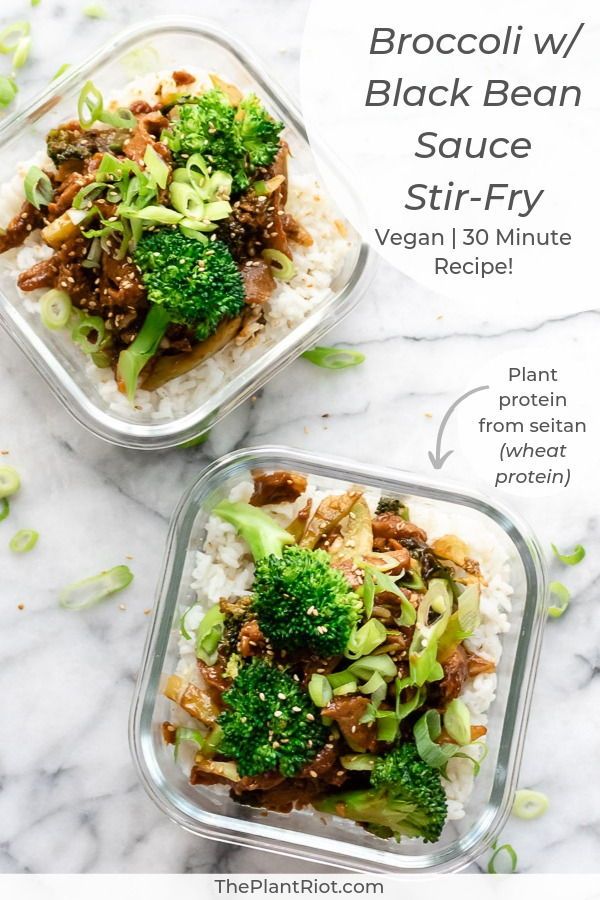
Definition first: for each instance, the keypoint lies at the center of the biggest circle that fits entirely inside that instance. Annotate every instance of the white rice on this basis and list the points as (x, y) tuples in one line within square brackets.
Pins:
[(224, 568), (316, 269)]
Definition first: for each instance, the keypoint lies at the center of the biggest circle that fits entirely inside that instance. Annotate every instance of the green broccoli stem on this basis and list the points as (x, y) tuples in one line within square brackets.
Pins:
[(140, 352)]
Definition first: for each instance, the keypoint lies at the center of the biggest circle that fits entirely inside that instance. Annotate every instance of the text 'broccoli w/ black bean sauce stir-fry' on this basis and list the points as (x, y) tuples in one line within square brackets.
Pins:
[(335, 667), (167, 227)]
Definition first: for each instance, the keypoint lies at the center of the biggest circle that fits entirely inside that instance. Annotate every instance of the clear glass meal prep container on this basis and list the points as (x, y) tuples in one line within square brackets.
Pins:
[(208, 811), (176, 42)]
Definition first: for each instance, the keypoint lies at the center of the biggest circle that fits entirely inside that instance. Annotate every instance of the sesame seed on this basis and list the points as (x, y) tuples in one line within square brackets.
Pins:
[(262, 696), (313, 774), (278, 714), (282, 696), (296, 709), (310, 717)]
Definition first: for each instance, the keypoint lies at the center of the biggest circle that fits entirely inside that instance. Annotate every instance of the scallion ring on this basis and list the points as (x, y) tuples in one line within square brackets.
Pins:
[(569, 559), (530, 804), (358, 762), (8, 91), (101, 359), (61, 71), (24, 540), (319, 690), (4, 508), (38, 187), (506, 850), (365, 639), (90, 105), (209, 634), (368, 594), (55, 309), (334, 357), (10, 481), (182, 626), (86, 593), (89, 333), (387, 725), (188, 734), (194, 234), (156, 166), (426, 731), (161, 214), (21, 54), (281, 265), (17, 30), (217, 210), (457, 722), (186, 201), (563, 596), (121, 118)]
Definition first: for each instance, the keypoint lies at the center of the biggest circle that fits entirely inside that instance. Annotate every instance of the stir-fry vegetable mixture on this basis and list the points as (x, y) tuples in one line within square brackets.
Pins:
[(336, 681), (168, 224)]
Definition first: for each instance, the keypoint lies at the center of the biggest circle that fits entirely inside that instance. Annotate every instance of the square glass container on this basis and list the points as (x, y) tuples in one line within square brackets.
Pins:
[(170, 43), (303, 834)]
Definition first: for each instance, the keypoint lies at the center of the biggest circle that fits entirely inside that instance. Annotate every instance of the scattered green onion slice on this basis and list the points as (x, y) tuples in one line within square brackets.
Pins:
[(35, 2), (21, 54), (84, 331), (55, 309), (4, 509), (10, 481), (185, 200), (95, 11), (387, 725), (24, 540), (188, 734), (17, 30), (337, 679), (209, 634), (505, 850), (160, 214), (365, 639), (530, 804), (569, 559), (121, 118), (141, 61), (363, 668), (334, 357), (563, 596), (8, 91), (319, 690), (182, 626), (405, 709), (90, 105), (457, 722), (61, 71), (426, 731), (38, 187), (376, 687), (156, 166), (350, 688), (101, 359), (358, 762), (368, 594), (194, 234), (281, 265), (90, 591)]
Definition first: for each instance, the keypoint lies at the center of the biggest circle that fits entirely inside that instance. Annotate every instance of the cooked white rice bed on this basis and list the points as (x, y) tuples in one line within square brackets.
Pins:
[(224, 568), (316, 269)]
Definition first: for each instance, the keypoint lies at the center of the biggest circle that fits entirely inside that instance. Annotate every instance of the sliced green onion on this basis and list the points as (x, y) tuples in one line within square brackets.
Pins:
[(284, 269), (86, 593), (10, 481), (368, 594), (84, 331), (387, 725), (24, 540), (4, 509), (156, 166), (319, 690), (333, 357), (403, 710), (338, 679), (563, 595), (95, 11), (569, 559), (198, 224), (197, 169), (35, 2), (469, 616), (219, 186), (121, 118), (87, 194), (217, 210), (55, 309), (90, 105), (161, 214), (184, 198), (188, 734), (376, 687), (350, 688), (141, 60), (427, 730), (530, 804), (365, 639), (194, 234), (61, 71), (182, 626), (260, 188), (413, 581), (384, 584), (17, 30), (101, 359), (358, 762), (8, 91), (21, 54), (209, 634), (505, 850), (38, 187), (457, 722), (364, 668)]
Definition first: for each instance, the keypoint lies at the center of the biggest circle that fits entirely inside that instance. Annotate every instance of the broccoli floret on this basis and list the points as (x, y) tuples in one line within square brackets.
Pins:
[(236, 140), (262, 533), (406, 798), (188, 282), (302, 602), (271, 723), (390, 505)]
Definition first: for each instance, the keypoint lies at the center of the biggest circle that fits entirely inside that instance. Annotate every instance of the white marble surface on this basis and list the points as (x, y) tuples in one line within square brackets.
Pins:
[(69, 798)]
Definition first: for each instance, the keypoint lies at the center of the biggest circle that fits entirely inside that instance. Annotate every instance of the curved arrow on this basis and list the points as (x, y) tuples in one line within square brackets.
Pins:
[(437, 460)]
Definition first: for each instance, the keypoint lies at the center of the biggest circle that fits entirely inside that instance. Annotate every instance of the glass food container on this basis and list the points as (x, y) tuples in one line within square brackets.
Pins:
[(209, 811), (163, 44)]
